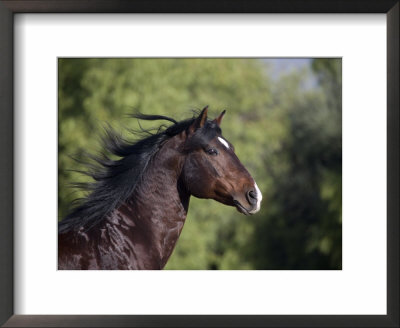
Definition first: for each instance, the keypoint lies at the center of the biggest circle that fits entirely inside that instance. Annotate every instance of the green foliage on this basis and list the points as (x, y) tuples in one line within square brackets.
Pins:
[(288, 136), (301, 229)]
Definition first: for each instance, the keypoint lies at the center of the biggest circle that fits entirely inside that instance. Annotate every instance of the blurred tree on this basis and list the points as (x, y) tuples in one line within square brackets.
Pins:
[(301, 224), (288, 137)]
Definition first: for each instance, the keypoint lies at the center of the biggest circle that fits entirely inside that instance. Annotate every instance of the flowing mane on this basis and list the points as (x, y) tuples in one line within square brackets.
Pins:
[(115, 180)]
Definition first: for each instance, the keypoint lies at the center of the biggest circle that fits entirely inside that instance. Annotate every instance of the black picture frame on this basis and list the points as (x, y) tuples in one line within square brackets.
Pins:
[(11, 7)]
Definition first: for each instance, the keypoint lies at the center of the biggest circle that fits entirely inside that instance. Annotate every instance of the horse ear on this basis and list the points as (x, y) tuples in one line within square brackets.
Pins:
[(219, 118), (200, 120)]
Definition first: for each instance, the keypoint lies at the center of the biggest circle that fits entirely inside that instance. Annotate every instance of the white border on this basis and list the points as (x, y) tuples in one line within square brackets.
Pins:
[(360, 288)]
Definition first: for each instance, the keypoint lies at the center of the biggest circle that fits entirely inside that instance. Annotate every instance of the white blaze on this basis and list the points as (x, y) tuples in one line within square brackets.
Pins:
[(223, 142), (259, 198)]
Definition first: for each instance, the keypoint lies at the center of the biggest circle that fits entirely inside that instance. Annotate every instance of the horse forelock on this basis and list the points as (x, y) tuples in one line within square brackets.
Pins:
[(203, 136)]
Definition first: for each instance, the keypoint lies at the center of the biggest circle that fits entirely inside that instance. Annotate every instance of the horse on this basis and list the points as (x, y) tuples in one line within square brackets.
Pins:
[(136, 206)]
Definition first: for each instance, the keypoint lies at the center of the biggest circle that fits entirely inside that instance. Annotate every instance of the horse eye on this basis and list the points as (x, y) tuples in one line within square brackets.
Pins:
[(212, 151)]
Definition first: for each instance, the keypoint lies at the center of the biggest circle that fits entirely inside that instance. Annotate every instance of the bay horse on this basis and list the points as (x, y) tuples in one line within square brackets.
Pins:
[(137, 205)]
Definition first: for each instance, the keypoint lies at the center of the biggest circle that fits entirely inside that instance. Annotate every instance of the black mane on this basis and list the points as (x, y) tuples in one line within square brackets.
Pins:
[(115, 180)]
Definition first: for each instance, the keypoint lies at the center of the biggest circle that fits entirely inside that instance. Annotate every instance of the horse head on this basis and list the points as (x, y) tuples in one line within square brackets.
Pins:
[(212, 169)]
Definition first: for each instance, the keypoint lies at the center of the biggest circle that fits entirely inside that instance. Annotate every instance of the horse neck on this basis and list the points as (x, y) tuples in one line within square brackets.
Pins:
[(155, 213)]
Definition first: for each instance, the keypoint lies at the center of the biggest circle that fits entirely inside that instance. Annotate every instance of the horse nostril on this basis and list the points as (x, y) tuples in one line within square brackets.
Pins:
[(252, 197)]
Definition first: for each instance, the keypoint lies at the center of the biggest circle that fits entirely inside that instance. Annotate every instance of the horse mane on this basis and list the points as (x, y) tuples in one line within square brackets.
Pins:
[(115, 180)]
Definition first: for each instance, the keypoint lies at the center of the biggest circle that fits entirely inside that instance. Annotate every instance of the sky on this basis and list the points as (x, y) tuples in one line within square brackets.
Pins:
[(279, 66)]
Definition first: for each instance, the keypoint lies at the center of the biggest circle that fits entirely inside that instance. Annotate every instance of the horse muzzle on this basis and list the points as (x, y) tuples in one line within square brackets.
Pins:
[(253, 198)]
